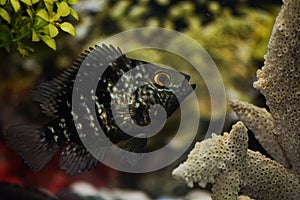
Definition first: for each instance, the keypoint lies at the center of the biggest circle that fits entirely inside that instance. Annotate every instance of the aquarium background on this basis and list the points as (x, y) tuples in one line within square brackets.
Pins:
[(234, 32)]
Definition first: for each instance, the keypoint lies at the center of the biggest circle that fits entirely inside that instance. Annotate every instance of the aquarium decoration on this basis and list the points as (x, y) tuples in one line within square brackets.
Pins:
[(225, 160)]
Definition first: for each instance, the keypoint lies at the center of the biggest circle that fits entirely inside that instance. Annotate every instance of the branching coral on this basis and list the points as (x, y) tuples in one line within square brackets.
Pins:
[(279, 80), (261, 123), (225, 160), (218, 160)]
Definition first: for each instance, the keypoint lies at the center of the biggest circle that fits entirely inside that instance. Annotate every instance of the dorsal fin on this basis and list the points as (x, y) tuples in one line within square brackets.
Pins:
[(57, 93)]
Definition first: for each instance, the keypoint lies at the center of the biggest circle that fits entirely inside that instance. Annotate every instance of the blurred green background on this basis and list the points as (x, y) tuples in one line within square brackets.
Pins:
[(234, 32)]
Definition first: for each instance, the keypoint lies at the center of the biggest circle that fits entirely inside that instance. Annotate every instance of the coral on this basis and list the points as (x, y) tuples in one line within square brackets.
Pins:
[(209, 161), (261, 123), (279, 80), (225, 160), (263, 178), (243, 197)]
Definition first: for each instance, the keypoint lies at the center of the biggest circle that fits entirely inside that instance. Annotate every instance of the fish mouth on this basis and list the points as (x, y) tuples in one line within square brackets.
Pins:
[(188, 78)]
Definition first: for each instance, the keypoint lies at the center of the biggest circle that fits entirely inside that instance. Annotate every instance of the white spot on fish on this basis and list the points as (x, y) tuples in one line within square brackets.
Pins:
[(79, 126)]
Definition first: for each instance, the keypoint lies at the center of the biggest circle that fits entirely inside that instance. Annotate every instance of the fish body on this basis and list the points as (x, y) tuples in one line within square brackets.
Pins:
[(37, 144)]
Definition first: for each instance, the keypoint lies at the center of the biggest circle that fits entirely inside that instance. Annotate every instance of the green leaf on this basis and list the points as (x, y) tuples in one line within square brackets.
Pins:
[(2, 2), (68, 27), (22, 51), (39, 23), (55, 17), (15, 4), (53, 30), (72, 2), (35, 37), (50, 42), (29, 12), (44, 30), (4, 36), (74, 13), (29, 48), (28, 2), (43, 14), (35, 1), (50, 1), (4, 15), (63, 9), (49, 6)]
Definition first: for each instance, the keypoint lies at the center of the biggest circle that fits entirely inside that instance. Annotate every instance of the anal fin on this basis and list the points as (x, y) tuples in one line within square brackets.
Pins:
[(75, 159), (134, 144)]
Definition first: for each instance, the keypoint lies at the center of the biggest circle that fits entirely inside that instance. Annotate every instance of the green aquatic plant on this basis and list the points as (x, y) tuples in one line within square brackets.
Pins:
[(26, 21)]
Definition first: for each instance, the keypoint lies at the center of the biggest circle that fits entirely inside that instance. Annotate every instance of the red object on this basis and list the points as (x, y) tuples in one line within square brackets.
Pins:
[(14, 170)]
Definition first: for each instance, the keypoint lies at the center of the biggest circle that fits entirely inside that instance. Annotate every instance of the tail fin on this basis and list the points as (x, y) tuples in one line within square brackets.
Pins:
[(32, 144)]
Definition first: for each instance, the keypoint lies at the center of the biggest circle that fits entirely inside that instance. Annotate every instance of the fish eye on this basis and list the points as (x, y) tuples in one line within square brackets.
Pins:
[(162, 78)]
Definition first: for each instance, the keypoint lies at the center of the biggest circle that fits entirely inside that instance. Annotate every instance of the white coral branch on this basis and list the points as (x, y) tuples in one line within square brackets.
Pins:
[(279, 80), (226, 162), (261, 123)]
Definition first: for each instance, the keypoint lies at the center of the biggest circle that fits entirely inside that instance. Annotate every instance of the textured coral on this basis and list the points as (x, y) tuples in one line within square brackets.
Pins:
[(263, 178), (243, 197), (226, 162), (278, 131), (279, 80), (261, 123), (209, 161)]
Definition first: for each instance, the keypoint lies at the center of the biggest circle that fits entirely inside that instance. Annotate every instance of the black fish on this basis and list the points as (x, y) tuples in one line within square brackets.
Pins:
[(37, 144)]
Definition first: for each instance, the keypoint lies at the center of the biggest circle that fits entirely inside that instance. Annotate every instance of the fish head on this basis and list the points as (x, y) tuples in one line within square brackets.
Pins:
[(162, 86), (172, 88)]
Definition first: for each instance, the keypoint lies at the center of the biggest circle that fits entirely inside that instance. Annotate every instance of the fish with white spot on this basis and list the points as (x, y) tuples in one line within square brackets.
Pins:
[(37, 144)]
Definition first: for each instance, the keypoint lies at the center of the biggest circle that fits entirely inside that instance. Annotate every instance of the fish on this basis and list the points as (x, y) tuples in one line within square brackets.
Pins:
[(37, 144), (9, 191)]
